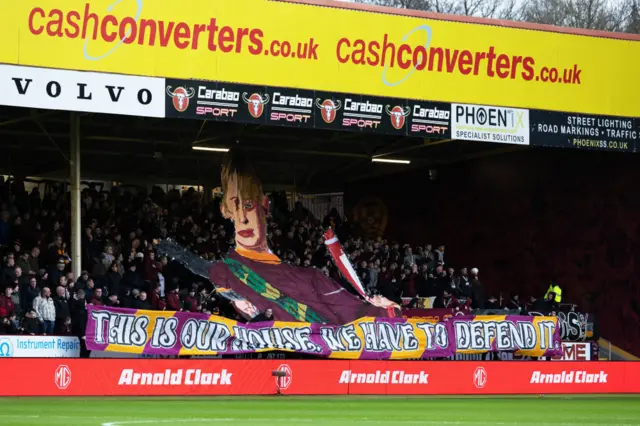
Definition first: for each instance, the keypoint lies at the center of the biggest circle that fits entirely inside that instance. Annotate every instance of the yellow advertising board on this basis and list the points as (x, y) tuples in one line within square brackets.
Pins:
[(323, 48)]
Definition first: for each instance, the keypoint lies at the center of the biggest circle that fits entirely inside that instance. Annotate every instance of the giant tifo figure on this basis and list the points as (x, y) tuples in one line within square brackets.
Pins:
[(255, 279)]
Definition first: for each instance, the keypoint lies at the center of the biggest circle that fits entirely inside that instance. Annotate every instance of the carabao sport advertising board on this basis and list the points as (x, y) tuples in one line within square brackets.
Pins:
[(306, 109), (39, 347), (148, 377), (490, 124), (81, 91), (564, 130)]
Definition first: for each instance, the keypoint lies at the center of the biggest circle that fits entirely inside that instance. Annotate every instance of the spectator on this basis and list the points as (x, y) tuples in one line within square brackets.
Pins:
[(537, 305), (551, 305), (142, 302), (107, 258), (191, 299), (514, 303), (61, 304), (23, 263), (56, 273), (6, 302), (30, 324), (114, 279), (65, 329), (265, 316), (149, 267), (173, 300), (448, 301), (78, 308), (46, 311), (28, 294), (477, 290), (81, 284), (7, 324), (154, 298), (96, 299), (464, 284), (34, 261), (492, 303), (409, 259), (131, 278), (112, 301), (8, 271), (439, 255)]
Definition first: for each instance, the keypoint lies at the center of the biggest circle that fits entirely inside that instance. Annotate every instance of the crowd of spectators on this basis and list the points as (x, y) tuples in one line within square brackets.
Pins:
[(121, 268)]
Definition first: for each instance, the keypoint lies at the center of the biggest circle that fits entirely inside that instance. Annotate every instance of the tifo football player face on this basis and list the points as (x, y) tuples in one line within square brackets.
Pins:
[(248, 217)]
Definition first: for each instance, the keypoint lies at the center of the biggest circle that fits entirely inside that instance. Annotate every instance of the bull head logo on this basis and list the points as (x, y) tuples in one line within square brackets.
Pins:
[(328, 109), (398, 115), (256, 103), (180, 97)]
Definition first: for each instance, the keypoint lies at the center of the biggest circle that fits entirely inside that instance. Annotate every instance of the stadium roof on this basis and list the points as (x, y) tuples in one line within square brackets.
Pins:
[(136, 149)]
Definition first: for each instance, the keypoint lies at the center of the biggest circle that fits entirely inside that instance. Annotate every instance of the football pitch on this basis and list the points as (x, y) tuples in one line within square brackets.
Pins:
[(353, 410)]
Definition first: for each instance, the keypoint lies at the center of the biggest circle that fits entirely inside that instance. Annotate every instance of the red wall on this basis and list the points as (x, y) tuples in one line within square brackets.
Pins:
[(524, 218)]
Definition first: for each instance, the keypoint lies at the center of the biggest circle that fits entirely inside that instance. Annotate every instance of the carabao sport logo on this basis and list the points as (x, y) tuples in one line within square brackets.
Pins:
[(256, 102), (6, 348), (398, 116), (328, 109), (180, 97)]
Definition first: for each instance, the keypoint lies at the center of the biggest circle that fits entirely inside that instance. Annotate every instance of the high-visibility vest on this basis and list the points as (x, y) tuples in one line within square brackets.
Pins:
[(555, 289)]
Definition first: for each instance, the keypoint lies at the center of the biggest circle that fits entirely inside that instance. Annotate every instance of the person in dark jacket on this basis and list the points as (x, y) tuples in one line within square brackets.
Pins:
[(514, 303), (131, 278), (62, 307), (30, 323), (173, 300), (113, 301), (28, 294), (551, 306), (154, 297), (477, 290), (464, 284), (114, 281), (191, 298), (78, 306), (81, 284), (142, 302), (55, 274), (265, 316)]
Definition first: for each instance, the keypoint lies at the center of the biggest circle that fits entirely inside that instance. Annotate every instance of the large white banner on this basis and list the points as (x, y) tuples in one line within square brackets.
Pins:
[(46, 88), (39, 347), (490, 124)]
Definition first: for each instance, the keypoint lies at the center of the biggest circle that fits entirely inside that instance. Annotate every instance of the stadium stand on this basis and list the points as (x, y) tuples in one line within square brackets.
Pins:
[(121, 267)]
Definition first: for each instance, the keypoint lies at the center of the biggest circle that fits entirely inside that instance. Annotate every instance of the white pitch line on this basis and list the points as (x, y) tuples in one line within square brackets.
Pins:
[(309, 420), (140, 422), (353, 420)]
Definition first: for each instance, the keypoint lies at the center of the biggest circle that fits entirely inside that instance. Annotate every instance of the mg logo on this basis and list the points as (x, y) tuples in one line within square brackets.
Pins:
[(285, 382), (63, 377), (480, 377)]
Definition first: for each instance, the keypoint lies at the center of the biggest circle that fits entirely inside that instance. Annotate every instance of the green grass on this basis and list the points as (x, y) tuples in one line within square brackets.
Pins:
[(372, 410)]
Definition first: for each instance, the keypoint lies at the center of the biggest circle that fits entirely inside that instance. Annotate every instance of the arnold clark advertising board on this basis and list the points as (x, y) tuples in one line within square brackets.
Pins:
[(490, 124), (142, 377), (39, 347)]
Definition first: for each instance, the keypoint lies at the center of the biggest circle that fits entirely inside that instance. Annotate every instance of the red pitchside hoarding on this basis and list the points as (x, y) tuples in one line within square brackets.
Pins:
[(150, 377)]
